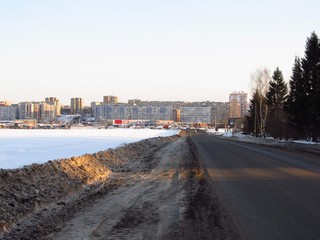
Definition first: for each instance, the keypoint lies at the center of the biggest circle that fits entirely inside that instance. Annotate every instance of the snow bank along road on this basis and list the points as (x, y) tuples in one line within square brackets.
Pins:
[(158, 194), (191, 187)]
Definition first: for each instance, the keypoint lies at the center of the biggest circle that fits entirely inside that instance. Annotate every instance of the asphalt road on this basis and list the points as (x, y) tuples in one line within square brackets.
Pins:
[(270, 193)]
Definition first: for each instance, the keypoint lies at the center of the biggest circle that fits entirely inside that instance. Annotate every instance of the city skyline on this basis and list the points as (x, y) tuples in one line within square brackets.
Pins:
[(170, 51), (4, 102), (51, 111)]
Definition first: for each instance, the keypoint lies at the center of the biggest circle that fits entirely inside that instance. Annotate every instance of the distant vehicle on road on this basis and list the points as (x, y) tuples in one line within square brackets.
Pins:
[(184, 127)]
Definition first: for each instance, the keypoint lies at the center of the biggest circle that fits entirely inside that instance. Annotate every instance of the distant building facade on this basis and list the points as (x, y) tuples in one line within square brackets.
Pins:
[(48, 112), (110, 99), (177, 111), (196, 114), (39, 111), (8, 113), (238, 104), (132, 112), (184, 114), (65, 110), (5, 103), (76, 106), (134, 102), (55, 102), (27, 110), (177, 115), (220, 112)]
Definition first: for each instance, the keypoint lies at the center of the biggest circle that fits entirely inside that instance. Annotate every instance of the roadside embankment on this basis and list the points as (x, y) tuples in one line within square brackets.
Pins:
[(28, 190)]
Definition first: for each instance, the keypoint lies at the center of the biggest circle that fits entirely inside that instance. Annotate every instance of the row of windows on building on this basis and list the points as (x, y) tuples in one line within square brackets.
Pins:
[(40, 111), (209, 112), (153, 113), (48, 112)]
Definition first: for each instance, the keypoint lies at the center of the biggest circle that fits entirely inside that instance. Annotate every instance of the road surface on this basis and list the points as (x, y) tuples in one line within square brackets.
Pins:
[(270, 193)]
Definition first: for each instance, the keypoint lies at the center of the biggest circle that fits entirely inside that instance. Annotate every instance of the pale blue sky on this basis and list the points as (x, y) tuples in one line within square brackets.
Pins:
[(153, 50)]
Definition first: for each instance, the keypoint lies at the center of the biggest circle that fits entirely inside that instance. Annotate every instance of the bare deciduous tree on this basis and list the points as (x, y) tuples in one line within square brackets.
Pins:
[(260, 85)]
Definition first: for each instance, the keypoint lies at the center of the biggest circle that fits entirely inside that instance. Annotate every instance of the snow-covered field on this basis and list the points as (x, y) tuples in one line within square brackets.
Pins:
[(24, 147)]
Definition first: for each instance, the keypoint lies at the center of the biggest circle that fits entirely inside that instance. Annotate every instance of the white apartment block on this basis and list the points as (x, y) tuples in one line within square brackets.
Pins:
[(55, 102), (40, 111), (151, 113), (26, 110), (8, 113), (195, 114), (132, 112), (48, 112)]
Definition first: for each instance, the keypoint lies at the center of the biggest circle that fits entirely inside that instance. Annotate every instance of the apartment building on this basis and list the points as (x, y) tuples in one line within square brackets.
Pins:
[(201, 114), (47, 113), (134, 101), (220, 113), (39, 111), (27, 110), (132, 112), (238, 105), (54, 102), (5, 103), (76, 106), (176, 115), (8, 113), (110, 99)]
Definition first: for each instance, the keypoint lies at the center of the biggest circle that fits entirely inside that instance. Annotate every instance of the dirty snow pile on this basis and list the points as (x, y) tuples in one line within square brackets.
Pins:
[(25, 191)]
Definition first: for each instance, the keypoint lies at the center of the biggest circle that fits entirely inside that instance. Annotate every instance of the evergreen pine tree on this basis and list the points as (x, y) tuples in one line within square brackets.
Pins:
[(296, 87), (277, 94), (254, 120), (275, 100), (295, 105), (311, 85)]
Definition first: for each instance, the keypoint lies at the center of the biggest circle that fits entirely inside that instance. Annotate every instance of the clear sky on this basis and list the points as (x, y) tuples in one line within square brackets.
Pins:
[(152, 50)]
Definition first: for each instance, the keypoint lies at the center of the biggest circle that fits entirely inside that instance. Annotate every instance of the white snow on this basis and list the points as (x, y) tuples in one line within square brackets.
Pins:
[(23, 147), (268, 140), (221, 131)]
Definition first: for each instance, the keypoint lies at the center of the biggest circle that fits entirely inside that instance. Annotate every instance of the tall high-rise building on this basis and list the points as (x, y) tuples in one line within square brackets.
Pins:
[(51, 99), (110, 99), (54, 102), (176, 115), (76, 106), (27, 110), (238, 105)]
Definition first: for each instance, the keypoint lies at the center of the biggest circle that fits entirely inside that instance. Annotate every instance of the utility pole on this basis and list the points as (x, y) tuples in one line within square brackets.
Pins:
[(255, 119)]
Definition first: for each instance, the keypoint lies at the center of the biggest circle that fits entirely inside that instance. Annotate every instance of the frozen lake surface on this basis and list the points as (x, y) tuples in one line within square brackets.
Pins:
[(19, 147)]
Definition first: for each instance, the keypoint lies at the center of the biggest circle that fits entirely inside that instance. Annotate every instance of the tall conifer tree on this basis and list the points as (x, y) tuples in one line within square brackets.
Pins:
[(277, 94), (311, 80), (303, 103), (254, 120), (275, 100), (295, 105)]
